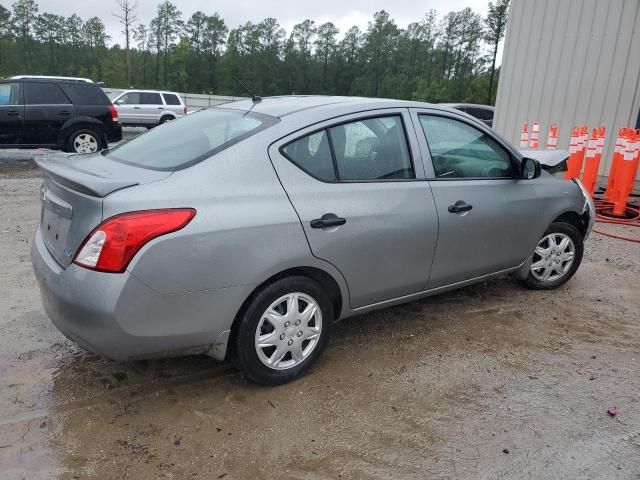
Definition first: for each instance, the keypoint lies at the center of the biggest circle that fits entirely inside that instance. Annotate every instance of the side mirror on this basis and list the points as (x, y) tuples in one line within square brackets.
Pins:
[(530, 168), (118, 102)]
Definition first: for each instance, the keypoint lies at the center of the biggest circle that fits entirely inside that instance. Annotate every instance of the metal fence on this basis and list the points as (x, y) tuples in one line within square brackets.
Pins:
[(193, 101)]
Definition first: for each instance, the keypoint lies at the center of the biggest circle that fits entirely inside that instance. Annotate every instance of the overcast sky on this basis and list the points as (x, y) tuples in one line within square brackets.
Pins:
[(343, 13)]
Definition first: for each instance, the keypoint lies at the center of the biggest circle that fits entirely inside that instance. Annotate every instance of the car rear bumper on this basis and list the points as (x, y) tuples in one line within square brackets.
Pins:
[(117, 316)]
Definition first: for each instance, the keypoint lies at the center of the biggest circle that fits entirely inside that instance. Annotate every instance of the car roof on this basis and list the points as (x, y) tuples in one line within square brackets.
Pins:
[(147, 91), (282, 106), (471, 105), (50, 77), (50, 80)]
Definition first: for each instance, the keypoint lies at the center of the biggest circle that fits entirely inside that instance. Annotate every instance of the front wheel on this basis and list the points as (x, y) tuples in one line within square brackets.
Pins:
[(283, 330), (556, 258)]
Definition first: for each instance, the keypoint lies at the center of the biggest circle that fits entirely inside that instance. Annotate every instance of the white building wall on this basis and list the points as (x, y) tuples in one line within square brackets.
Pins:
[(570, 62)]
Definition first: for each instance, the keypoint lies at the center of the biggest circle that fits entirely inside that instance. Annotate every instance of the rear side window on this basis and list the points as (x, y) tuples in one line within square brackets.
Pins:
[(147, 98), (44, 94), (459, 150), (312, 154), (372, 149), (9, 94), (190, 139), (171, 99), (85, 94)]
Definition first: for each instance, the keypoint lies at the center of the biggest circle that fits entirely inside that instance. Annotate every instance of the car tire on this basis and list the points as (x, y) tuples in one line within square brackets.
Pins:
[(84, 140), (165, 119), (268, 333), (550, 267)]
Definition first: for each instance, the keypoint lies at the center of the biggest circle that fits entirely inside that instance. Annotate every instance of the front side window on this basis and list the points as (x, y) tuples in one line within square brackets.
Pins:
[(191, 139), (363, 150), (9, 94), (459, 150), (129, 98), (171, 99), (147, 98), (44, 94)]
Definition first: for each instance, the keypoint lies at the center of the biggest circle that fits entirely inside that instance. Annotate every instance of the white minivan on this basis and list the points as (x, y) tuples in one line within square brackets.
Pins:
[(148, 108)]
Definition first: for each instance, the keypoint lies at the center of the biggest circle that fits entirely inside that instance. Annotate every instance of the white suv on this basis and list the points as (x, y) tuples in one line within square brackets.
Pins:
[(148, 108)]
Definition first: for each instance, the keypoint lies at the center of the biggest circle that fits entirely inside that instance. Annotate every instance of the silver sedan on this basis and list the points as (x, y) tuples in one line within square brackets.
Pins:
[(245, 231)]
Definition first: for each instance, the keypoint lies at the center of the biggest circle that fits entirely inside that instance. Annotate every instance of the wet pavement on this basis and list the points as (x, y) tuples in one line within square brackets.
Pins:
[(492, 381)]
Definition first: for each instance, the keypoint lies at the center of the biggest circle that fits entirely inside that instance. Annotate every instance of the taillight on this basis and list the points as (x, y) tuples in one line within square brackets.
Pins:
[(114, 113), (112, 245), (185, 109)]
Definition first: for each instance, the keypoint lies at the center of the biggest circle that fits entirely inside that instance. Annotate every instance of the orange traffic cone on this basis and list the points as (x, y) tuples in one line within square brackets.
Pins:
[(637, 159), (610, 194), (592, 163), (582, 150), (524, 136), (573, 150), (534, 142), (626, 169), (552, 139)]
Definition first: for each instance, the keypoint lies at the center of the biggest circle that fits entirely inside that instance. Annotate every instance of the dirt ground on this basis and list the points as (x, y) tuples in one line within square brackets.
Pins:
[(492, 381)]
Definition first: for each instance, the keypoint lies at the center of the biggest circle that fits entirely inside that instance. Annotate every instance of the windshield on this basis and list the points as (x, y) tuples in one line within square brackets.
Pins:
[(190, 139)]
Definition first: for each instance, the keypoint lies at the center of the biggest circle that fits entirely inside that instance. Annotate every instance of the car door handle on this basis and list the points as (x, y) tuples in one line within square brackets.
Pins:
[(459, 207), (328, 220), (136, 108), (160, 108), (13, 113), (65, 112)]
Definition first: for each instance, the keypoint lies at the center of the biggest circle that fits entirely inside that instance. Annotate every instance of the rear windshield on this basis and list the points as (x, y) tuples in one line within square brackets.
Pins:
[(190, 139)]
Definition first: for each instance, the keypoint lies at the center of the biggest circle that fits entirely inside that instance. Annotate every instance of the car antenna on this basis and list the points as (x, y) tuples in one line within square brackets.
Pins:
[(254, 98)]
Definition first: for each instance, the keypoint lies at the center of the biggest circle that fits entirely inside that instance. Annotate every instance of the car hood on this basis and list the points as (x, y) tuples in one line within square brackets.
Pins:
[(549, 159)]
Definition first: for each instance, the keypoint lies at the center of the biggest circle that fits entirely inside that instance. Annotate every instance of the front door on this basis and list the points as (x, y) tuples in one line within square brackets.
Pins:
[(129, 109), (485, 210), (11, 114), (359, 190), (46, 110)]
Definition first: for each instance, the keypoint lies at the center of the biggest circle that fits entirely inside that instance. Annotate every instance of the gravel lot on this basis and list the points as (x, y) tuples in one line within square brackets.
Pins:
[(492, 381)]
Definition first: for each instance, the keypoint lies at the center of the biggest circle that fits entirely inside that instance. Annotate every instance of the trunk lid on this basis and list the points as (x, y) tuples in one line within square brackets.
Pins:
[(72, 193)]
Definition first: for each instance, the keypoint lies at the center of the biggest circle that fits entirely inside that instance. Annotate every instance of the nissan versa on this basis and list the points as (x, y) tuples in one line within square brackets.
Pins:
[(245, 231)]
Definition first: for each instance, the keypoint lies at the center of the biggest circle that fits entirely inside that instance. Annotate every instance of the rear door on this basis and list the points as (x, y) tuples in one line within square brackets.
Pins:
[(151, 107), (11, 114), (363, 204), (46, 110), (485, 210)]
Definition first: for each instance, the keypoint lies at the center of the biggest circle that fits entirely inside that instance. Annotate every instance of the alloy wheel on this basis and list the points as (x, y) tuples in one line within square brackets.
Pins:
[(288, 331), (85, 143), (553, 257)]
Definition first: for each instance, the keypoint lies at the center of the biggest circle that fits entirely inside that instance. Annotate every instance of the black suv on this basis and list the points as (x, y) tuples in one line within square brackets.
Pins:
[(71, 115)]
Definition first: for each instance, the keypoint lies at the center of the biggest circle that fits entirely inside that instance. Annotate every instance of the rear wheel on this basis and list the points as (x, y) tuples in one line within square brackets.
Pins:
[(84, 140), (283, 331), (556, 258), (165, 119)]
